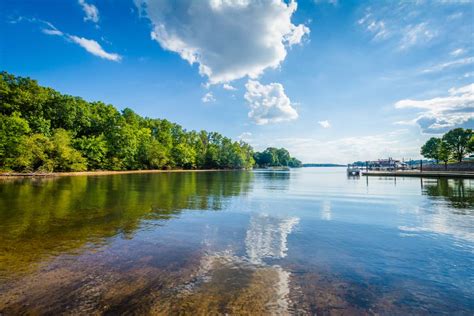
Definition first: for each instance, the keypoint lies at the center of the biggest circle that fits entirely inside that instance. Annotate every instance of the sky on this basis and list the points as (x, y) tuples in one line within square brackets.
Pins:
[(332, 81)]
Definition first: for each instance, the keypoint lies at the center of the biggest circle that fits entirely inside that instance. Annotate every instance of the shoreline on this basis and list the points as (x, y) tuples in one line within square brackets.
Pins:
[(9, 175), (423, 174)]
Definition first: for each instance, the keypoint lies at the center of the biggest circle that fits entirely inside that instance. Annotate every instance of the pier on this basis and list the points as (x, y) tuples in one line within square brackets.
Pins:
[(418, 173)]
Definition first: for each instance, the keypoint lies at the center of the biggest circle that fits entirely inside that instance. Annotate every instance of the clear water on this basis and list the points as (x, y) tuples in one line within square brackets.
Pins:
[(308, 241)]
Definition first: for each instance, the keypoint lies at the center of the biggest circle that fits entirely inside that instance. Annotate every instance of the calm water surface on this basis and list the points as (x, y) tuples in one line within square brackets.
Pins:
[(309, 241)]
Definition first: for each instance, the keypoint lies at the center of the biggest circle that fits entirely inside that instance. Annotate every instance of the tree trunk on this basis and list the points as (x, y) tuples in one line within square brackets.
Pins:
[(445, 165)]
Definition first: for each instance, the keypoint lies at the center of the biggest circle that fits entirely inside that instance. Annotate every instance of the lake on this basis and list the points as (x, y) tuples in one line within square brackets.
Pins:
[(303, 242)]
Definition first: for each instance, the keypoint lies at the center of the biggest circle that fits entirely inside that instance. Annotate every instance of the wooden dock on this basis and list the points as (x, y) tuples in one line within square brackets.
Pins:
[(423, 174)]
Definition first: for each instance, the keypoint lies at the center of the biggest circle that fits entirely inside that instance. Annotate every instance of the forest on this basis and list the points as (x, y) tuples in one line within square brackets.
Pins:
[(42, 130)]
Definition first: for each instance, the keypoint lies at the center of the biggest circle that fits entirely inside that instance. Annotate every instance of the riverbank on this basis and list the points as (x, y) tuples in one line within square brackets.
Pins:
[(102, 173), (423, 174)]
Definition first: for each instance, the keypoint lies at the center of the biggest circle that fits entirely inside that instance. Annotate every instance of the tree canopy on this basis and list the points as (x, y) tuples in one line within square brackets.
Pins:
[(44, 130), (275, 157), (455, 144)]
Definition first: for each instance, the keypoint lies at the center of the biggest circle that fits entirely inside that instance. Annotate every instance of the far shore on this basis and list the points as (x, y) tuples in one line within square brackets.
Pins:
[(102, 172)]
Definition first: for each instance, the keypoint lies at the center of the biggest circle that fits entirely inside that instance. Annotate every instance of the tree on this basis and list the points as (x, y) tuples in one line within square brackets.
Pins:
[(430, 148), (64, 156), (94, 149), (184, 156), (44, 130), (470, 145), (12, 130), (283, 156), (457, 141), (275, 157), (34, 154), (295, 163), (444, 153)]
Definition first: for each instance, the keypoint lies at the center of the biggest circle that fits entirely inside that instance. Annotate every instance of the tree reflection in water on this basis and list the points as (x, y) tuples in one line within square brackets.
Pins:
[(459, 193), (43, 217)]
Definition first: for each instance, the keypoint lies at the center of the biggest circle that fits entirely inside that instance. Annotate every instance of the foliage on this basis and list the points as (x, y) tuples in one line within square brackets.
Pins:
[(444, 152), (470, 144), (275, 157), (430, 148), (44, 130), (457, 140), (456, 144)]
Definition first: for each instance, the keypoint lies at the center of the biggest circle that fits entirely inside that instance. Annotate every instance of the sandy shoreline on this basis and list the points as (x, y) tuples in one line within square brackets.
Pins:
[(104, 173)]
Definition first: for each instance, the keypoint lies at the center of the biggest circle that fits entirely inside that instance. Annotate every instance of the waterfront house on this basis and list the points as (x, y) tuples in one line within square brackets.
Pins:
[(387, 165)]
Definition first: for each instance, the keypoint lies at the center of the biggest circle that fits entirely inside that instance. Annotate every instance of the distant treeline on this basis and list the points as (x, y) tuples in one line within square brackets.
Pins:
[(322, 165), (44, 130)]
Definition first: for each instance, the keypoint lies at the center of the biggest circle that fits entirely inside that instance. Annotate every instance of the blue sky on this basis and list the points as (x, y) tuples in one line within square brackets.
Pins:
[(332, 81)]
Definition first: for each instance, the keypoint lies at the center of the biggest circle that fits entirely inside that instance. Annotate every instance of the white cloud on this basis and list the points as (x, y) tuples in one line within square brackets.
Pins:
[(468, 74), (208, 97), (375, 26), (457, 52), (268, 103), (455, 16), (228, 87), (89, 45), (450, 64), (245, 136), (324, 124), (91, 11), (333, 2), (416, 34), (228, 39), (94, 48), (52, 32), (442, 113)]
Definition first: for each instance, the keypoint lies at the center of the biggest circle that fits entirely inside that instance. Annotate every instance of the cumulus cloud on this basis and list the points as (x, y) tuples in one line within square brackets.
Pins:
[(443, 113), (90, 10), (228, 39), (208, 97), (228, 87), (89, 45), (324, 124), (245, 136), (268, 103)]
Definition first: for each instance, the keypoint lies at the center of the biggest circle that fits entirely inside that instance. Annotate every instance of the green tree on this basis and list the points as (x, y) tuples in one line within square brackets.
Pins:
[(430, 148), (44, 130), (470, 145), (444, 153), (64, 156), (184, 156), (34, 154), (94, 149), (457, 140), (13, 128)]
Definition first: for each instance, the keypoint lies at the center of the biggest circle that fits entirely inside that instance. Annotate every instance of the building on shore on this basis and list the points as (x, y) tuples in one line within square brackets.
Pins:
[(387, 165)]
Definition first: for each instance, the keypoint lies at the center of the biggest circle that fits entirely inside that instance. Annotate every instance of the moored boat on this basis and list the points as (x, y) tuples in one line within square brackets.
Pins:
[(353, 170)]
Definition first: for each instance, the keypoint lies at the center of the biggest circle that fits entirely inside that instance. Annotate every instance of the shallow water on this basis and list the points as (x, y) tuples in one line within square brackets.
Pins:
[(307, 241)]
